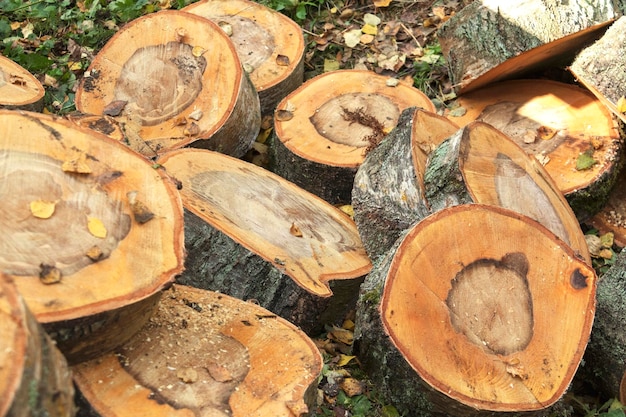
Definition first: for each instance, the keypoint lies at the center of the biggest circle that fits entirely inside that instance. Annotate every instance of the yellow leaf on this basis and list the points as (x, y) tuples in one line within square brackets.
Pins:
[(344, 360), (348, 209), (295, 230), (96, 227), (369, 29), (382, 3), (198, 51), (77, 165), (621, 104), (42, 209)]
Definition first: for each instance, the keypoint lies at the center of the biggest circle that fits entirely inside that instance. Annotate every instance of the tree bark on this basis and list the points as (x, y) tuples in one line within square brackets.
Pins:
[(605, 358), (612, 217), (269, 44), (480, 164), (491, 40), (562, 125), (205, 354), (34, 377), (91, 231), (388, 193), (324, 129), (600, 67), (253, 235), (19, 89), (458, 319), (173, 79)]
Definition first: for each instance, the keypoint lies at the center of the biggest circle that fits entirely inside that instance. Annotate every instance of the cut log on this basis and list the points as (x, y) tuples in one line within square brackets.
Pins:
[(388, 194), (600, 68), (491, 40), (458, 319), (269, 44), (605, 358), (19, 89), (173, 79), (91, 231), (253, 235), (205, 354), (569, 131), (34, 377), (105, 125), (324, 129), (480, 164)]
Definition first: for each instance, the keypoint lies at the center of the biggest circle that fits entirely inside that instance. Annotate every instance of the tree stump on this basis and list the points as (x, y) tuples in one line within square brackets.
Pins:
[(253, 235), (205, 354), (34, 377), (480, 164), (91, 231), (491, 40), (19, 89), (459, 318), (269, 44), (173, 79), (605, 357), (388, 193), (571, 133), (324, 129), (600, 68)]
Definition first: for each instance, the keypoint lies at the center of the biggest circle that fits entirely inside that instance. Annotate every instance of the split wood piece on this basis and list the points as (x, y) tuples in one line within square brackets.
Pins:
[(324, 129), (173, 79), (459, 318), (605, 357), (91, 231), (600, 68), (34, 377), (205, 354), (480, 164), (388, 193), (569, 131), (269, 44), (253, 235), (491, 40), (19, 88)]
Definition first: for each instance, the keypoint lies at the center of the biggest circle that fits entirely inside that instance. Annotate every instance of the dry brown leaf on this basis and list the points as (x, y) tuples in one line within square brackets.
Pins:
[(295, 230), (283, 115), (114, 108), (282, 60), (49, 274)]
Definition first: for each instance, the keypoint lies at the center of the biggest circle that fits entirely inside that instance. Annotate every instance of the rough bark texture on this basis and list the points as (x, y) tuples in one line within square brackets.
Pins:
[(205, 354), (605, 358), (600, 67), (269, 44), (491, 40), (388, 362), (34, 377)]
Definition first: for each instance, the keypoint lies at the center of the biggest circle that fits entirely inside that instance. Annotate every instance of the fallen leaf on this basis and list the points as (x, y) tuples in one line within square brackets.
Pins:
[(585, 161), (282, 60), (331, 65), (366, 39), (191, 130), (96, 227), (352, 37), (196, 114), (352, 387), (226, 27), (42, 209), (295, 230), (621, 105), (198, 51), (114, 108), (141, 213), (382, 3), (95, 253), (49, 274), (283, 115), (369, 29), (345, 359), (545, 132), (77, 165), (371, 19)]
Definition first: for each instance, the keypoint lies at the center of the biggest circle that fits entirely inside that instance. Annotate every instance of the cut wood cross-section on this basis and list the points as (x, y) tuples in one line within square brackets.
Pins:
[(18, 87), (491, 40), (252, 234), (324, 129), (91, 231), (34, 377), (388, 196), (205, 354), (173, 79), (565, 127), (459, 318), (269, 44)]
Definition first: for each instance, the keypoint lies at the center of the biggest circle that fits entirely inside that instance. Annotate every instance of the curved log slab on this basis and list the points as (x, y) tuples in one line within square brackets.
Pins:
[(269, 44), (491, 40), (173, 79), (19, 88), (571, 133), (605, 357), (324, 129), (388, 196), (253, 235), (34, 377), (600, 68), (205, 354), (480, 164), (91, 231), (459, 318)]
